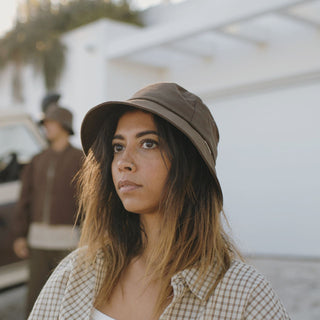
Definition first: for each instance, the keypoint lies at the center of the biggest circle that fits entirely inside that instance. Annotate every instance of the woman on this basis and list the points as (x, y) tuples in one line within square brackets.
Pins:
[(152, 244)]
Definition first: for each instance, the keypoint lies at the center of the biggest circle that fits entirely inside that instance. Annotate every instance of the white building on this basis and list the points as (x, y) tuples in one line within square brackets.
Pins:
[(257, 66)]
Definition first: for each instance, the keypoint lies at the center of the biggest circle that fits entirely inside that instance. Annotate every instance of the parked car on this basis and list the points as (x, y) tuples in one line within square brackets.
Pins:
[(20, 139)]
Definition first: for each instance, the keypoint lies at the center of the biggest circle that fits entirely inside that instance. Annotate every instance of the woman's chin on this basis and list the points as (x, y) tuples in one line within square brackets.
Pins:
[(138, 209)]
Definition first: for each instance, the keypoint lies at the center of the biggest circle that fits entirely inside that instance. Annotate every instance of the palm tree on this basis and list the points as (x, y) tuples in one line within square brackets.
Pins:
[(35, 38)]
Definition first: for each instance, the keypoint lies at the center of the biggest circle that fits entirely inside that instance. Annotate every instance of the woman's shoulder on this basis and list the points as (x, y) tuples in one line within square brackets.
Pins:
[(71, 265), (78, 261), (245, 280), (245, 286), (241, 273), (71, 260), (72, 281)]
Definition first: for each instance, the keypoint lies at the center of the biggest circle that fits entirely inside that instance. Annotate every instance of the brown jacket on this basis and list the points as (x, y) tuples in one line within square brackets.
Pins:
[(48, 192)]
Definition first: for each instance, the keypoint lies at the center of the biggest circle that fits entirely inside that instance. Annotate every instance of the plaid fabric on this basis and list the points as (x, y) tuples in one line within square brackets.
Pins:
[(242, 294)]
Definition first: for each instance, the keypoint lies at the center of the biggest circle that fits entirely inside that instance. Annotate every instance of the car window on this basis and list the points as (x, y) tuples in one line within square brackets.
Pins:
[(20, 140), (17, 138)]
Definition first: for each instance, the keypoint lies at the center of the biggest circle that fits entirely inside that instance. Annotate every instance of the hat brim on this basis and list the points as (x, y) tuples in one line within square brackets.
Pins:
[(70, 130), (95, 117)]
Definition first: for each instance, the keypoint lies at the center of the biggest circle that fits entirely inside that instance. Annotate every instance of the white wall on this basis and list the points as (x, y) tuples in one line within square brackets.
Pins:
[(268, 165)]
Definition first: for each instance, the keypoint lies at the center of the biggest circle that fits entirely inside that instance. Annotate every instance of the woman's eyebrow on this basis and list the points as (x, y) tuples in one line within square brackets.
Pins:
[(138, 135), (143, 133), (118, 137)]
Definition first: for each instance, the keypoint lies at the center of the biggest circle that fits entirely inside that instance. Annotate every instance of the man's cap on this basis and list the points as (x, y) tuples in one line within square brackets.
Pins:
[(61, 115)]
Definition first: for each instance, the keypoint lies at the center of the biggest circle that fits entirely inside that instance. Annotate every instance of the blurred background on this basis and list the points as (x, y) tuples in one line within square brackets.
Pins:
[(256, 64)]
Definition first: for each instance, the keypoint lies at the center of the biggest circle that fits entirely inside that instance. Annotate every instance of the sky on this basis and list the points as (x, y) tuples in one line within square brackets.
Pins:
[(7, 15), (8, 11)]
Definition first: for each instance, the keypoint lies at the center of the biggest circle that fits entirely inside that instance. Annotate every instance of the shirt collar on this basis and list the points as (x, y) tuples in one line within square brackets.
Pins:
[(199, 285)]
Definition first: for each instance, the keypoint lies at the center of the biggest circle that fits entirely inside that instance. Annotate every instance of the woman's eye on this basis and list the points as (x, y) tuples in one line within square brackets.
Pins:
[(149, 144), (117, 148)]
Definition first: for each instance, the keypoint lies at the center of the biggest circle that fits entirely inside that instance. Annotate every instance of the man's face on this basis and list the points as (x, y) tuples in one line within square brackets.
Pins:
[(53, 130)]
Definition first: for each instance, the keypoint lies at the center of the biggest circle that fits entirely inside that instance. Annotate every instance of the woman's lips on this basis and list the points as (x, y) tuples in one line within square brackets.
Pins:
[(127, 186)]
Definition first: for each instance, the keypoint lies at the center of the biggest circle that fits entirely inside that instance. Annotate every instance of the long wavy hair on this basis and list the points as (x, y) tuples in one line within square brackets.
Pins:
[(191, 232)]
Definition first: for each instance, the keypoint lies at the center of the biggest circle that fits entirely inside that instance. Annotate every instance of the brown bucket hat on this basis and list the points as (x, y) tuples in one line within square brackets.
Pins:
[(181, 108), (61, 115)]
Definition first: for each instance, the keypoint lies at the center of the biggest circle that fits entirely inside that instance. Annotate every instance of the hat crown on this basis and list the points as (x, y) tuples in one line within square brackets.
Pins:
[(173, 103), (186, 105), (61, 115)]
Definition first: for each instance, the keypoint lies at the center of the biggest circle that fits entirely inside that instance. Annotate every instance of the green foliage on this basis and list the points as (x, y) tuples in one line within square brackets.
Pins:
[(37, 40)]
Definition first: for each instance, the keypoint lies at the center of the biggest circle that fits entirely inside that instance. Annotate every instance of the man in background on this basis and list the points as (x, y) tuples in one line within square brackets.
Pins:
[(46, 211)]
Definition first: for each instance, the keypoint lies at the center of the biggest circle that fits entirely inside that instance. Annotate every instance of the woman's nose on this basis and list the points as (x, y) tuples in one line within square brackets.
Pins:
[(126, 163)]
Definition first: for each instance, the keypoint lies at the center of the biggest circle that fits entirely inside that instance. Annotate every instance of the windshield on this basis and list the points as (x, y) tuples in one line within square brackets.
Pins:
[(17, 138)]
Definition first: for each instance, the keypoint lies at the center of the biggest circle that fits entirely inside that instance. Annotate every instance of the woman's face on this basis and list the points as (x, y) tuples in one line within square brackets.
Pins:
[(139, 168)]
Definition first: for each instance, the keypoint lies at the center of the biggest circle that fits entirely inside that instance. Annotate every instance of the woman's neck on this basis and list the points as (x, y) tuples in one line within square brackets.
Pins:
[(151, 227)]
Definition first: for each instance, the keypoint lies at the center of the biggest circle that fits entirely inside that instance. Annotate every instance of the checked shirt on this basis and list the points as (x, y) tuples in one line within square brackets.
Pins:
[(242, 294)]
